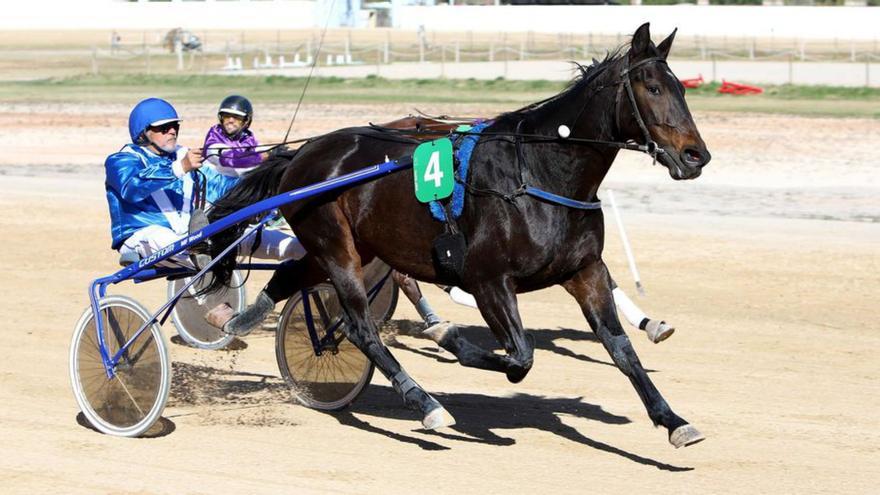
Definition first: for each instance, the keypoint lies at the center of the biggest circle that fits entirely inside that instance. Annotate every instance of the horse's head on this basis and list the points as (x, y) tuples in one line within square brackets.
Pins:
[(658, 97)]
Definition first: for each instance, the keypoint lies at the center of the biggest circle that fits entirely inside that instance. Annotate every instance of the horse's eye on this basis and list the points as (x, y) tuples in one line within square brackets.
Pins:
[(654, 90)]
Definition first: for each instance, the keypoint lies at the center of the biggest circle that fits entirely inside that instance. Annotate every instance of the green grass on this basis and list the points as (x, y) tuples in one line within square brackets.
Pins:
[(786, 99)]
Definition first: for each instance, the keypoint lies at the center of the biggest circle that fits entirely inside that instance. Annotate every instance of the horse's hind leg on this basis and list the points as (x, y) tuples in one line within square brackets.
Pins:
[(341, 261), (497, 303), (592, 289), (286, 281)]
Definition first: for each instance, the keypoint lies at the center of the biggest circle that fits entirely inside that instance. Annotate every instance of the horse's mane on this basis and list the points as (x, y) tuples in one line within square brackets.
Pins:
[(578, 84)]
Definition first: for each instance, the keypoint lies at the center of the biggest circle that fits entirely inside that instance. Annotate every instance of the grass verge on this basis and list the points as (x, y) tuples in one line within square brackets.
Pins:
[(787, 99)]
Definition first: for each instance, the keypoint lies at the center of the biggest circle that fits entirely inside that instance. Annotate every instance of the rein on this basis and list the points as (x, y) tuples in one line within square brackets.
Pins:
[(624, 83)]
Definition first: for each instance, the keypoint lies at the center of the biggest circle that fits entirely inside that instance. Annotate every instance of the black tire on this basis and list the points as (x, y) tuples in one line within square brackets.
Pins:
[(188, 313), (129, 403), (329, 381)]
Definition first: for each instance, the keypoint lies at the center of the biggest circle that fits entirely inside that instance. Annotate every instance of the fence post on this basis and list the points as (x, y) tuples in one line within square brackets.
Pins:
[(386, 55), (94, 61), (790, 70), (421, 50), (714, 78), (852, 51), (522, 49), (752, 49), (867, 72), (442, 61), (178, 50), (803, 50), (149, 61), (457, 51), (492, 51)]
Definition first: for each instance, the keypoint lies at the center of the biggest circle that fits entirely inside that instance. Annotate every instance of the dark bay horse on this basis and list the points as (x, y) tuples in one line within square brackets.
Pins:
[(515, 243)]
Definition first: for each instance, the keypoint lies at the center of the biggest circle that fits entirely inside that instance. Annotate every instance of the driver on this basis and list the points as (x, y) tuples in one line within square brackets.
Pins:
[(150, 184)]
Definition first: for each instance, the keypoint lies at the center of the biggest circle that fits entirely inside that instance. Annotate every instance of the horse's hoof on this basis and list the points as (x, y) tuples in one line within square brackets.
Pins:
[(516, 374), (658, 331), (438, 418), (685, 435), (438, 332)]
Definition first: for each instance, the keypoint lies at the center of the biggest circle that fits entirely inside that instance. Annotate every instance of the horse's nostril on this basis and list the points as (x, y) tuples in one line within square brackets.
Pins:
[(694, 157)]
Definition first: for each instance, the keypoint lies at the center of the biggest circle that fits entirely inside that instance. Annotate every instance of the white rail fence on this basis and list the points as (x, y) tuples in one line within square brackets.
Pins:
[(714, 53)]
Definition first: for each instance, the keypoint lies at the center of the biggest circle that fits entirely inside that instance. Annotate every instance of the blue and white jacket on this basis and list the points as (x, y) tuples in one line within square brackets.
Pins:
[(145, 189)]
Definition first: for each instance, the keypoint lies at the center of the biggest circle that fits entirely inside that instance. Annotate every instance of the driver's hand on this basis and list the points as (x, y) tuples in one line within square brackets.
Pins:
[(192, 160)]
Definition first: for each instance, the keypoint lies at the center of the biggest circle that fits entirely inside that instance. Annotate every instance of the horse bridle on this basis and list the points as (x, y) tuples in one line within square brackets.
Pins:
[(652, 148), (625, 84)]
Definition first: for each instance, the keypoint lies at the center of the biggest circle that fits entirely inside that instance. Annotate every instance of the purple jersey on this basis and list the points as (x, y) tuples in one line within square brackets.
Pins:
[(242, 153)]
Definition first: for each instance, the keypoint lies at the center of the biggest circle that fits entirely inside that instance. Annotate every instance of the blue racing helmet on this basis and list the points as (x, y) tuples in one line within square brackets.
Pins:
[(150, 112)]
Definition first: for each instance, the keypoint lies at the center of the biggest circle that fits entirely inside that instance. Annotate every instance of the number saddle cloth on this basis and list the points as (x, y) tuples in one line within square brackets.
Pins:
[(463, 146)]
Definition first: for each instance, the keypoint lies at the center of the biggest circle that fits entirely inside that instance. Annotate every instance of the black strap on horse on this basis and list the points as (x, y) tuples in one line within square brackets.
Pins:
[(524, 187), (653, 148)]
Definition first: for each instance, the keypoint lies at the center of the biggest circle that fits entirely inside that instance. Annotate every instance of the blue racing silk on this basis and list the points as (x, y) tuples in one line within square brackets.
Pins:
[(144, 188)]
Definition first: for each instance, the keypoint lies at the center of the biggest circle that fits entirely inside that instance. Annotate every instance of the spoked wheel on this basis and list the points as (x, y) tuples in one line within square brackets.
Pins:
[(129, 402), (333, 376), (189, 312), (382, 292)]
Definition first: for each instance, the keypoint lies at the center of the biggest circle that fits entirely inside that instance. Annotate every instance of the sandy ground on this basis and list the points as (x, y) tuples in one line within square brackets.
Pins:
[(774, 358)]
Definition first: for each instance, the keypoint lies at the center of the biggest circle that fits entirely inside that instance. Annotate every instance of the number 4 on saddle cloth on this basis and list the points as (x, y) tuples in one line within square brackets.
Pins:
[(433, 174), (434, 180)]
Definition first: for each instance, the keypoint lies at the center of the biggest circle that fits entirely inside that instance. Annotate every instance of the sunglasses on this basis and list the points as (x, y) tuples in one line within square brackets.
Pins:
[(164, 128)]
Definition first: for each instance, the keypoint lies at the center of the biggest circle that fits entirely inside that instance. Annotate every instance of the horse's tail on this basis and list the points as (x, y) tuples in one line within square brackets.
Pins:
[(260, 184)]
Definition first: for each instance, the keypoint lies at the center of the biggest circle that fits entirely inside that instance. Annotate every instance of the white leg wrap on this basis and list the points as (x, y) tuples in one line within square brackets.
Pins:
[(461, 297), (275, 245), (630, 311)]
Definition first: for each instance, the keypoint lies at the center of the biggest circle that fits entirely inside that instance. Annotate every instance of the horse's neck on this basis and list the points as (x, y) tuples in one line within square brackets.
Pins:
[(576, 170)]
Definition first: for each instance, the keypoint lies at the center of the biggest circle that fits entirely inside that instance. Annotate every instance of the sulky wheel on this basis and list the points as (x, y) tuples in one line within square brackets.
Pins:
[(189, 312), (332, 376), (129, 402), (382, 292)]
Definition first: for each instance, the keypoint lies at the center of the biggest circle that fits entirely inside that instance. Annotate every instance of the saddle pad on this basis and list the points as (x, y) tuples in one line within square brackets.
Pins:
[(464, 147)]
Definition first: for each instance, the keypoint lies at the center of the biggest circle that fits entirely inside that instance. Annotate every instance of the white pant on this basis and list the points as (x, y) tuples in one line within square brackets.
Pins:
[(275, 245)]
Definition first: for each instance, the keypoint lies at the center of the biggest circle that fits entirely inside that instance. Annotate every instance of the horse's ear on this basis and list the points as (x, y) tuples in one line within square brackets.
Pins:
[(641, 40), (665, 45)]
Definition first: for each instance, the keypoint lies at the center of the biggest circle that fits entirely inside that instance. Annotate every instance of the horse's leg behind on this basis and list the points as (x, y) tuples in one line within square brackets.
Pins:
[(338, 257), (591, 287), (497, 303), (287, 280)]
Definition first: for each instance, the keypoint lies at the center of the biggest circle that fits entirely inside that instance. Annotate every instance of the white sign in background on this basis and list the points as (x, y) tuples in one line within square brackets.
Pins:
[(845, 23)]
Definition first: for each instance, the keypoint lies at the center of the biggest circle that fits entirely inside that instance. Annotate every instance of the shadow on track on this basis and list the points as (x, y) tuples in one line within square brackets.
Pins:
[(480, 416), (546, 339)]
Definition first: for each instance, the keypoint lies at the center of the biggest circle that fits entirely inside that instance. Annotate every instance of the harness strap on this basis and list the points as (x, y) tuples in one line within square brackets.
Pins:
[(562, 200), (651, 146)]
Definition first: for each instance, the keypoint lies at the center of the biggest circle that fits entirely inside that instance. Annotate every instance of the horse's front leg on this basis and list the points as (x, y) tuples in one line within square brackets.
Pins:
[(591, 287)]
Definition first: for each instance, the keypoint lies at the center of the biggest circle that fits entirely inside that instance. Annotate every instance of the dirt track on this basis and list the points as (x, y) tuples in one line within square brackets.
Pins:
[(774, 358)]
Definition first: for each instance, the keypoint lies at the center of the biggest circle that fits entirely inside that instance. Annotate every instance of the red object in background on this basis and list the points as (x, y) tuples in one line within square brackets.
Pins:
[(692, 83), (732, 88)]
